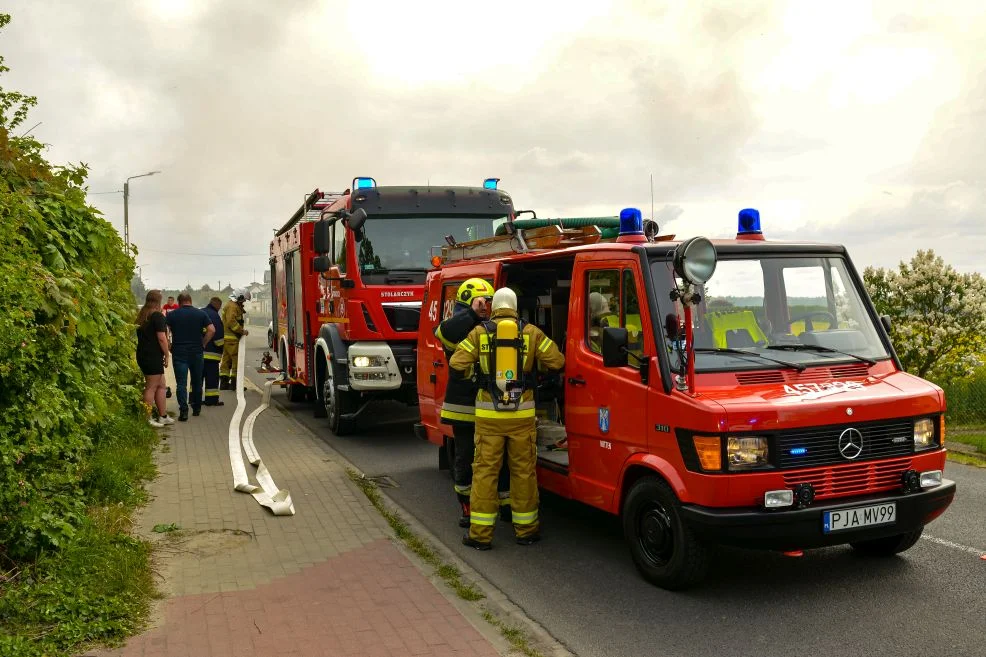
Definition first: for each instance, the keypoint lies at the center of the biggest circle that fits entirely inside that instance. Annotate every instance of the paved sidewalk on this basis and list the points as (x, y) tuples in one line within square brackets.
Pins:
[(240, 581)]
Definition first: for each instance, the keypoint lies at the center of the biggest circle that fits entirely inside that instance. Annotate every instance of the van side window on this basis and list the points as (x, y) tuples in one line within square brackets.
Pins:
[(603, 308), (339, 245), (630, 314)]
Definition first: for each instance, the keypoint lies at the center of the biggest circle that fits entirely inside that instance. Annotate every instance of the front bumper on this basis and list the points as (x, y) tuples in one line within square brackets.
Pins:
[(802, 528)]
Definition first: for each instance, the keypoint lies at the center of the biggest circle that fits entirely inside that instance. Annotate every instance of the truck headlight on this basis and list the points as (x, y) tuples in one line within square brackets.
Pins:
[(747, 452), (924, 434), (367, 361)]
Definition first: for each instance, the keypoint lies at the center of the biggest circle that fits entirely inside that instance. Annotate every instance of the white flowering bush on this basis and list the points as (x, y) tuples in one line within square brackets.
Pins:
[(938, 315)]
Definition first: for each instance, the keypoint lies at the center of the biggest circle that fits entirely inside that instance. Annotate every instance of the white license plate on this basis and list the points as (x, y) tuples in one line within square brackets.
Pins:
[(860, 516)]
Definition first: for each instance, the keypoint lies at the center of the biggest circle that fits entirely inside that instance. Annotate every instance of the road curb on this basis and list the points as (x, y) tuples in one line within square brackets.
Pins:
[(495, 602)]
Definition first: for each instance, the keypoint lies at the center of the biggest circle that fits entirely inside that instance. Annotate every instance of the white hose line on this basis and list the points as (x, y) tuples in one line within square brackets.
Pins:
[(267, 494)]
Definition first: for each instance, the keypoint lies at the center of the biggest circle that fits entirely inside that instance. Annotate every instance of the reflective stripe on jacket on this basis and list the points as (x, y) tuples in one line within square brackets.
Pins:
[(460, 393)]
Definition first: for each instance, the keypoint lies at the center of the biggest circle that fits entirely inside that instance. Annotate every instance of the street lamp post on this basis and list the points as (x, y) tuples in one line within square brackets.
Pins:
[(126, 214)]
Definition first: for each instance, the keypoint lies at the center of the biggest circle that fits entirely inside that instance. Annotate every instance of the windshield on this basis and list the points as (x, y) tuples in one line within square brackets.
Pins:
[(774, 312), (405, 242)]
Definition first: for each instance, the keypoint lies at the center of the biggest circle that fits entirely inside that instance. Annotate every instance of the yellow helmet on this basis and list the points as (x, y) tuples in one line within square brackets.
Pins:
[(472, 288)]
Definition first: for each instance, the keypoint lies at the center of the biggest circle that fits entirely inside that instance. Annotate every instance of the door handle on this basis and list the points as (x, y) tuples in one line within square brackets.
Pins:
[(576, 380), (438, 363)]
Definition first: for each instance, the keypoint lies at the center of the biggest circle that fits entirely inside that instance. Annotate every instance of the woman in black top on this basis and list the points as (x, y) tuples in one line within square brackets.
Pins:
[(152, 355)]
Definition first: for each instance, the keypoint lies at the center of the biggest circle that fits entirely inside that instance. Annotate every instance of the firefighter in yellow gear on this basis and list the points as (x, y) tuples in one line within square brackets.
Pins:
[(233, 330), (471, 308), (509, 354)]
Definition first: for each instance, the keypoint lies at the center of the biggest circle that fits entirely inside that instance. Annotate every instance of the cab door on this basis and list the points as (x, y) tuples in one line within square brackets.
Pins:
[(605, 408)]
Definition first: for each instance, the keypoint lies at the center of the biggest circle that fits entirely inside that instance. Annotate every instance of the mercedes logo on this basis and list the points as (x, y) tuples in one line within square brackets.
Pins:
[(850, 444)]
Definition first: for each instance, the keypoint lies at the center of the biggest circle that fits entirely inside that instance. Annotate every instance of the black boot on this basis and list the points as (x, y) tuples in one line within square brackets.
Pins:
[(528, 540), (464, 520), (224, 383), (183, 415), (479, 545)]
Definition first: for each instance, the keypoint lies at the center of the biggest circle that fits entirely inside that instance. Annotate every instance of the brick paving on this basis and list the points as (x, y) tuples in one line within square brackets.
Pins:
[(240, 581)]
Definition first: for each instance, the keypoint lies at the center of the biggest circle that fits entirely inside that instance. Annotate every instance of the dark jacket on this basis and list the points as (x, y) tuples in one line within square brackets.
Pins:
[(216, 345), (459, 405)]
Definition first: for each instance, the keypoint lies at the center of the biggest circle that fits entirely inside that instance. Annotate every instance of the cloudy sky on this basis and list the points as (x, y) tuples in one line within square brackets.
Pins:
[(843, 121)]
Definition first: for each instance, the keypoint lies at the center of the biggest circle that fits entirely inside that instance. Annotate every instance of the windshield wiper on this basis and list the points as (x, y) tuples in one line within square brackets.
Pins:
[(727, 350), (815, 347)]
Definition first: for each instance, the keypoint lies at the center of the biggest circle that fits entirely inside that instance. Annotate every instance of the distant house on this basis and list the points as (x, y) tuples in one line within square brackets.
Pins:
[(258, 307)]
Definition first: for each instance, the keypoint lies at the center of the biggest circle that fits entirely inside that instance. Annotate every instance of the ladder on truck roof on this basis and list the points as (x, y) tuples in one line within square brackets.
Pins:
[(311, 208), (544, 238)]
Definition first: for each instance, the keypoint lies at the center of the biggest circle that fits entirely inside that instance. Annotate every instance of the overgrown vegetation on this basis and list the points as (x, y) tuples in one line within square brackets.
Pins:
[(938, 316), (74, 448)]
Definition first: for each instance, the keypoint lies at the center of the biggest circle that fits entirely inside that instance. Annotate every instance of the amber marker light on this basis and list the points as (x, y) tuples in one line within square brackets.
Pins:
[(709, 449)]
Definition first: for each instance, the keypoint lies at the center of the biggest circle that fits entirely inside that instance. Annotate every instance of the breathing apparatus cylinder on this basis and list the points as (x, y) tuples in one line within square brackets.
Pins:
[(507, 361)]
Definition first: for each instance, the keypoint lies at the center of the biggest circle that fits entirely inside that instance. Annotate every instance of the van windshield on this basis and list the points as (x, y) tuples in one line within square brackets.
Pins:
[(395, 244), (774, 312)]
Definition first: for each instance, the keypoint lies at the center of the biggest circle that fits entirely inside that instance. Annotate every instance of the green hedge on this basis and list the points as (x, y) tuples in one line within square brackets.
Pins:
[(66, 340), (966, 399)]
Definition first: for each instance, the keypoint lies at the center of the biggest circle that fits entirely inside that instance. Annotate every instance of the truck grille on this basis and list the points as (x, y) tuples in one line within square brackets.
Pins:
[(402, 317), (820, 445), (854, 479)]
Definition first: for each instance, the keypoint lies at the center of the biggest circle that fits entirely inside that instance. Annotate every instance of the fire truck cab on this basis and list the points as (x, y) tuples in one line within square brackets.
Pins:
[(740, 392), (348, 273)]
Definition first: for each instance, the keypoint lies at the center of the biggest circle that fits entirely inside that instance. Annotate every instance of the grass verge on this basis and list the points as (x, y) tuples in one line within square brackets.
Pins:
[(449, 573), (974, 435), (967, 459), (516, 637), (97, 588)]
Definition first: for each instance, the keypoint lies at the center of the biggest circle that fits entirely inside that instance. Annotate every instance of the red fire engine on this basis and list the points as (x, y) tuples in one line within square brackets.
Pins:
[(347, 274), (741, 392)]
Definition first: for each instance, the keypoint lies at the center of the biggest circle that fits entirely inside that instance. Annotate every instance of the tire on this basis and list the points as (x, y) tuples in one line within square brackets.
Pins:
[(446, 455), (888, 546), (663, 549), (318, 408), (336, 403)]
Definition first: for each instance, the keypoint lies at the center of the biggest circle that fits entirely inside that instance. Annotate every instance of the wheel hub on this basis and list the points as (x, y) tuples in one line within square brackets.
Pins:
[(656, 535), (329, 395)]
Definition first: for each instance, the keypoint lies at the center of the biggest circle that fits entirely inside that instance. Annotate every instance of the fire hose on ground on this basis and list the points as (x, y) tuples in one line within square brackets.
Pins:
[(267, 493)]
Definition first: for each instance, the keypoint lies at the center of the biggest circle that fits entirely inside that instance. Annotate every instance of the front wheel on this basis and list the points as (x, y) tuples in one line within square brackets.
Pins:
[(336, 404), (888, 546), (664, 550)]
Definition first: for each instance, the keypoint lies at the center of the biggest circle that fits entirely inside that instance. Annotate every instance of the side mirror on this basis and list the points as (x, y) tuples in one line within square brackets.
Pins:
[(358, 235), (323, 238), (615, 342), (356, 219), (885, 320), (321, 263)]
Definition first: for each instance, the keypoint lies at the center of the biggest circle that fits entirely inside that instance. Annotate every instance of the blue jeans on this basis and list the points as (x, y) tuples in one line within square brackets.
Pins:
[(185, 366)]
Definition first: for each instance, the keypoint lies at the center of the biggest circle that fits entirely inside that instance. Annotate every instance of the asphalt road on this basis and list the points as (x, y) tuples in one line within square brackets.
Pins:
[(580, 583)]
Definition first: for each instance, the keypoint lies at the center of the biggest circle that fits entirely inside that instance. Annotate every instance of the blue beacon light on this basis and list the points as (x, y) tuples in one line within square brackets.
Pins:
[(749, 225), (490, 183), (799, 451), (631, 226), (364, 183)]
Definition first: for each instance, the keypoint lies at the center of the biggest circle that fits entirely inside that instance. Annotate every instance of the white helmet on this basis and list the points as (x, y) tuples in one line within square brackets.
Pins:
[(504, 298), (240, 293)]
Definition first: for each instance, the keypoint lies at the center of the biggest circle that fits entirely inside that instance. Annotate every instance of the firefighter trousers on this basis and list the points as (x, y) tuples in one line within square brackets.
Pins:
[(515, 439), (465, 449), (210, 371), (231, 348)]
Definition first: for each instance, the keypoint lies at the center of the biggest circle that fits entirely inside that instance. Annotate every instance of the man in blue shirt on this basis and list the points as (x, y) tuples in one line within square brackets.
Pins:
[(191, 330)]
